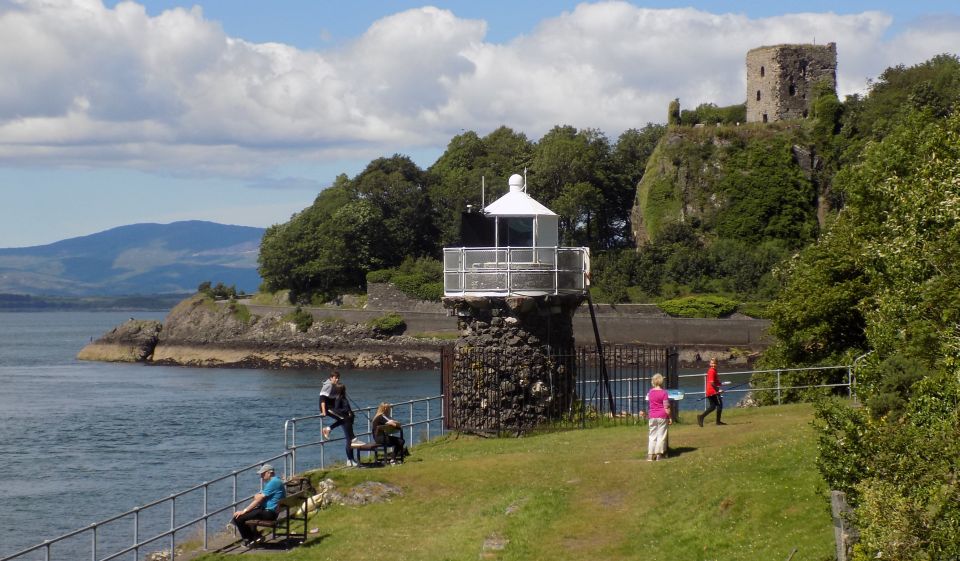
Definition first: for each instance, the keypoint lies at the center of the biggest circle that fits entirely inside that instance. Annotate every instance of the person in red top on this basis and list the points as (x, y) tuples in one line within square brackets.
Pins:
[(713, 392), (658, 403)]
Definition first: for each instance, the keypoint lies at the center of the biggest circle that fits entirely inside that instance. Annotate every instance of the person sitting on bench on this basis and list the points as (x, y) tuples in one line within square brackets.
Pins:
[(262, 507), (387, 431)]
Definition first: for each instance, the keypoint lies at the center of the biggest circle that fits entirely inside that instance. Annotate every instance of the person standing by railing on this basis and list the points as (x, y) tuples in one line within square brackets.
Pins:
[(713, 393), (658, 411), (326, 399), (343, 413)]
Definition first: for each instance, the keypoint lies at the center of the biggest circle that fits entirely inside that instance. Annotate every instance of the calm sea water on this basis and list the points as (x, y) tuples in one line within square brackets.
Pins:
[(81, 442)]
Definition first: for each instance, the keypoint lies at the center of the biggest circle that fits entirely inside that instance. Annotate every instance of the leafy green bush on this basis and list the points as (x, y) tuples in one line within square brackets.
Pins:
[(302, 319), (218, 292), (699, 306), (389, 324), (239, 311), (757, 310), (420, 278), (381, 275)]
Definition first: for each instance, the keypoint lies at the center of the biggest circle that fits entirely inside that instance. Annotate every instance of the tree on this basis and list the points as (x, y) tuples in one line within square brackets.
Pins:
[(673, 112), (886, 277), (456, 177), (565, 157)]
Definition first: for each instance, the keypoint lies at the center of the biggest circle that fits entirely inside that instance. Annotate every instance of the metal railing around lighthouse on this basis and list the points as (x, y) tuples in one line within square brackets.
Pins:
[(501, 271), (575, 393)]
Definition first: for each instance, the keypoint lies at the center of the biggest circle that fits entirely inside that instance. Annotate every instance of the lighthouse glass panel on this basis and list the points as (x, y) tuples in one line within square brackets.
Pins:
[(516, 231)]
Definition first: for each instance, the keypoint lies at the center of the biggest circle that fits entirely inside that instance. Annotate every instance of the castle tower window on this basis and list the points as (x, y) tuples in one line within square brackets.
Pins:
[(758, 95), (792, 89), (762, 72), (804, 113), (764, 117), (803, 68)]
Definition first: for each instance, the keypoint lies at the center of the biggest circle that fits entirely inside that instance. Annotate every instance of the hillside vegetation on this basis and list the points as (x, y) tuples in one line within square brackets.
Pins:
[(745, 491), (882, 284)]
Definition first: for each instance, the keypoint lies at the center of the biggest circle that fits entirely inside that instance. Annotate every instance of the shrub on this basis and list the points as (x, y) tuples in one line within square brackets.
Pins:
[(381, 275), (218, 292), (239, 311), (389, 324), (302, 319), (420, 278), (754, 309), (699, 306)]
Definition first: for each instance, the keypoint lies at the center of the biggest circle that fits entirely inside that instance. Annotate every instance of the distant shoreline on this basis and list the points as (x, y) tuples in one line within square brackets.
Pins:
[(131, 303)]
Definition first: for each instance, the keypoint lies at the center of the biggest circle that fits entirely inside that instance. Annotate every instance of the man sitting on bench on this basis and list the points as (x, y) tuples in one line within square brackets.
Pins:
[(262, 507)]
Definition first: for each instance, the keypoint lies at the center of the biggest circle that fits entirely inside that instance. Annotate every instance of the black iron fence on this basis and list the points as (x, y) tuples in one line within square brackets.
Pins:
[(487, 392)]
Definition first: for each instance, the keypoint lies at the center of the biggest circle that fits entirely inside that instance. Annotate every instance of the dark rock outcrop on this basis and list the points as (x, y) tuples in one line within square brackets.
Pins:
[(132, 341), (201, 332)]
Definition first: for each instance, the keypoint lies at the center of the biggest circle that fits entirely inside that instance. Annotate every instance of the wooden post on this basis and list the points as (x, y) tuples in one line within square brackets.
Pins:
[(844, 532)]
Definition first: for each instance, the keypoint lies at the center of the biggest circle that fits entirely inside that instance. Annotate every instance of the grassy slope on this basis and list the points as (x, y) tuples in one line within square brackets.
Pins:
[(747, 491)]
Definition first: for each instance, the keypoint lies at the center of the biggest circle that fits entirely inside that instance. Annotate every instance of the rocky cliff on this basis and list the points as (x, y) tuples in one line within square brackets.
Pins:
[(133, 341), (739, 182), (201, 332)]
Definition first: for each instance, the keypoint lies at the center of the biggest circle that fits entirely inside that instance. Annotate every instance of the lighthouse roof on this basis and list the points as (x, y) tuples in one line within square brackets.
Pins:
[(517, 203)]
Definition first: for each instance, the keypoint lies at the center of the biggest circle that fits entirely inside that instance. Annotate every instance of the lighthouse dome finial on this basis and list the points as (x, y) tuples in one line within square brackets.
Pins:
[(516, 182)]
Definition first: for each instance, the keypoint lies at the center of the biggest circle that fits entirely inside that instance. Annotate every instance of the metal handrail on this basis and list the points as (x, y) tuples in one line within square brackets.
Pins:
[(291, 445), (289, 458), (289, 467), (171, 532)]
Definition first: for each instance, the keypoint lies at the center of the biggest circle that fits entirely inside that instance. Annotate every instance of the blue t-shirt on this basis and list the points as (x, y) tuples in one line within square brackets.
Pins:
[(274, 491)]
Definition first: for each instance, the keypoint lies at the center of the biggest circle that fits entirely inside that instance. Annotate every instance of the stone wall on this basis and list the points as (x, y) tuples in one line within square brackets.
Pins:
[(385, 296), (780, 79), (506, 374)]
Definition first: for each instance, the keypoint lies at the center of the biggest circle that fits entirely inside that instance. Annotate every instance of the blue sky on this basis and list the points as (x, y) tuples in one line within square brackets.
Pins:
[(241, 111)]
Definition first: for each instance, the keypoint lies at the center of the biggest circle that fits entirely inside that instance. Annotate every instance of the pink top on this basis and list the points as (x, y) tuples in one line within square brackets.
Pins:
[(657, 401)]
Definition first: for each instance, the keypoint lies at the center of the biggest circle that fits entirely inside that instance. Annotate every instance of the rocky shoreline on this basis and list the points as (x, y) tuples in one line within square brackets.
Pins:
[(202, 333)]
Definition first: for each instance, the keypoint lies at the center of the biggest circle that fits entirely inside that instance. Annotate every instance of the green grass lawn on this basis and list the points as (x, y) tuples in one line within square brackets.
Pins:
[(748, 490)]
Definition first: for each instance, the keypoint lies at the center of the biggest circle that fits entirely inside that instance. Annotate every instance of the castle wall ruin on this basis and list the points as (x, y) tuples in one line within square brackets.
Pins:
[(781, 79)]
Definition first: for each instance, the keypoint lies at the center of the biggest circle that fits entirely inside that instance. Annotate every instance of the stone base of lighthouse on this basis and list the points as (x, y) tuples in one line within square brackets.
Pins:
[(513, 365)]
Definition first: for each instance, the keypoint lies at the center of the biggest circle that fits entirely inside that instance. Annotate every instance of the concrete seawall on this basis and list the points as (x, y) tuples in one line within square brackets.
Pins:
[(614, 327)]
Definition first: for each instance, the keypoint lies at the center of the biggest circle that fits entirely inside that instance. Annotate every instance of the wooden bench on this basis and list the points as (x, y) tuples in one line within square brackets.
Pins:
[(299, 490), (379, 453), (374, 449)]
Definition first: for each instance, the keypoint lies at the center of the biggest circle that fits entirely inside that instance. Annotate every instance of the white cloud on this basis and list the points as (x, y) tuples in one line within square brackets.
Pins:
[(85, 85)]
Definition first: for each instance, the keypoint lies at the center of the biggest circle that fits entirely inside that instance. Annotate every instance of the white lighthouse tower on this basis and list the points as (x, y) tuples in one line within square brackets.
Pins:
[(523, 256), (514, 292)]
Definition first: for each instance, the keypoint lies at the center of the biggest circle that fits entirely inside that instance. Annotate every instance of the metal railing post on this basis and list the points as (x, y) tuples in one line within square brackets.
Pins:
[(46, 555), (234, 491), (779, 401), (411, 425), (206, 519), (173, 524), (556, 270), (293, 459), (428, 419), (93, 544), (136, 534)]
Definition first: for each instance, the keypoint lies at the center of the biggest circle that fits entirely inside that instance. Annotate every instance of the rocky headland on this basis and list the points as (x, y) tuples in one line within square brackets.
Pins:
[(201, 332)]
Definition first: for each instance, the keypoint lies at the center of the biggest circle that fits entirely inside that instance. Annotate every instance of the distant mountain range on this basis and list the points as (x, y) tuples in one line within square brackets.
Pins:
[(136, 259)]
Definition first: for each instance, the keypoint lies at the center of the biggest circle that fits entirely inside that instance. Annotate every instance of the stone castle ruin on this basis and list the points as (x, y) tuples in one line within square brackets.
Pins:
[(781, 79)]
